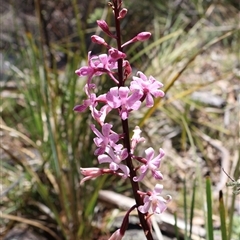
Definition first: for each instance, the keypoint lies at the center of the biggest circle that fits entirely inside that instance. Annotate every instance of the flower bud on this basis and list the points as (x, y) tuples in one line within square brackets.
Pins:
[(116, 235), (90, 173), (143, 36), (136, 138), (103, 25), (140, 37), (116, 54), (122, 13), (98, 40), (127, 69), (84, 71)]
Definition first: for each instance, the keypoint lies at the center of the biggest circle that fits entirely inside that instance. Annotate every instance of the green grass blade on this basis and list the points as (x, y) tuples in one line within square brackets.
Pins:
[(209, 209), (185, 209), (222, 216), (192, 208), (232, 209), (175, 226), (80, 29)]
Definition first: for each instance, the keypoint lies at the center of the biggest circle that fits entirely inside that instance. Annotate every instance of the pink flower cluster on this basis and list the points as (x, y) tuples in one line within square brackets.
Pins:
[(124, 99)]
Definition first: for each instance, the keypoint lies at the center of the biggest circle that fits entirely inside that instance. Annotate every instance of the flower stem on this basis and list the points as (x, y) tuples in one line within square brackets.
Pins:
[(125, 127)]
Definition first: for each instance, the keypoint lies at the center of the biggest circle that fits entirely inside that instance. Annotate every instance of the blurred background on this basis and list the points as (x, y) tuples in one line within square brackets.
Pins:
[(193, 51)]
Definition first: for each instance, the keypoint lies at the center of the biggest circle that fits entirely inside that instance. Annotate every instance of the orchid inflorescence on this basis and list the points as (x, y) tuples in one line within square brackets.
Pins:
[(125, 99)]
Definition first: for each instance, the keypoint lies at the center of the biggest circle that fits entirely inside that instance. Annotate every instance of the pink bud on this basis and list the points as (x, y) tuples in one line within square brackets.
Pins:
[(98, 40), (90, 173), (140, 37), (136, 138), (143, 36), (84, 71), (103, 25), (122, 13), (116, 54), (116, 235), (127, 69)]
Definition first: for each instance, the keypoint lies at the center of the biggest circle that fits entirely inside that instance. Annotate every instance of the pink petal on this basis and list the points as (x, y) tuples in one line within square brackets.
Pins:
[(160, 206), (124, 154), (143, 170), (145, 207), (158, 188), (80, 108), (157, 175), (103, 58), (106, 129), (114, 137), (124, 114), (149, 100), (149, 153), (123, 93), (134, 98), (104, 159), (113, 98), (142, 76), (113, 166), (125, 169), (136, 105), (94, 129)]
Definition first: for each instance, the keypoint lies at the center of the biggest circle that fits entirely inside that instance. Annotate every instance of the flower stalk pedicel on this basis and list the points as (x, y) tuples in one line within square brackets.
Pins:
[(117, 149)]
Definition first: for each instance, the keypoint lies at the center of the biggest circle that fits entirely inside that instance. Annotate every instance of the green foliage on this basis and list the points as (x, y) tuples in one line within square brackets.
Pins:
[(61, 137), (209, 221), (222, 216), (49, 99)]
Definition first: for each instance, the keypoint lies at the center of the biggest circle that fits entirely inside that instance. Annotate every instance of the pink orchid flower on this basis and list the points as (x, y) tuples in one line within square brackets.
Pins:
[(136, 138), (114, 158), (148, 86), (107, 137), (154, 200), (151, 164), (119, 98)]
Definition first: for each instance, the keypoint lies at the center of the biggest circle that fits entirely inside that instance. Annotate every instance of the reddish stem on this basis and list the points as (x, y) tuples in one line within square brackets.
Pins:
[(126, 139)]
